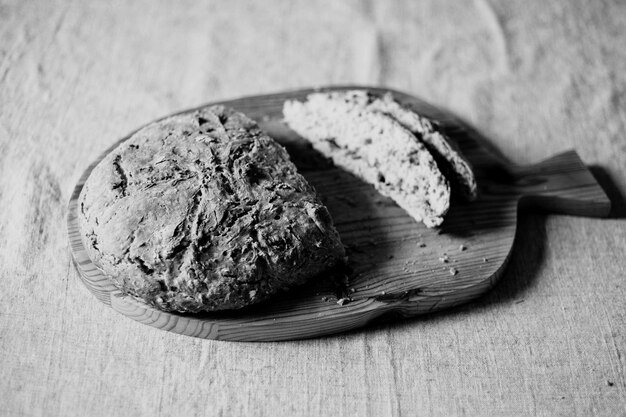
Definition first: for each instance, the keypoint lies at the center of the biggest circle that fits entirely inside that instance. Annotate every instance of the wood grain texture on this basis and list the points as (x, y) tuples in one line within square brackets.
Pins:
[(537, 78), (397, 266)]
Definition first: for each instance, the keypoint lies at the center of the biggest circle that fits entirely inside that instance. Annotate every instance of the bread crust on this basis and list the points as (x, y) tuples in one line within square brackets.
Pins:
[(204, 212)]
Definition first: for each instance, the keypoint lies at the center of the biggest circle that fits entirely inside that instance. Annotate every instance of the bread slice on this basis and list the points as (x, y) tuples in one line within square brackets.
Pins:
[(204, 212), (375, 147), (447, 154)]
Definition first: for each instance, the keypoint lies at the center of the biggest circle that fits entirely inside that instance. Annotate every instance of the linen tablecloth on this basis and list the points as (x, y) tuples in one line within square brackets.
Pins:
[(536, 77)]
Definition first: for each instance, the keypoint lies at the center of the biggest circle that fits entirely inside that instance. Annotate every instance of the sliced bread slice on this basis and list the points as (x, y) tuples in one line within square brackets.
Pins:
[(376, 148), (447, 154)]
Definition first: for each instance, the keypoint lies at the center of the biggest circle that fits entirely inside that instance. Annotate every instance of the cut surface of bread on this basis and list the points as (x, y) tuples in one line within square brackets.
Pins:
[(448, 156), (375, 147)]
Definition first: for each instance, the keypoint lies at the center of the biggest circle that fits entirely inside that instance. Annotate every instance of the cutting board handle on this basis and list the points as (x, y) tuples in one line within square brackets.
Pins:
[(561, 184)]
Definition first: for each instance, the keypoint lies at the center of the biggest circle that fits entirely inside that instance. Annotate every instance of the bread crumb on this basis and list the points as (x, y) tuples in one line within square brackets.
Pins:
[(343, 301), (462, 248), (485, 260), (444, 259), (453, 271)]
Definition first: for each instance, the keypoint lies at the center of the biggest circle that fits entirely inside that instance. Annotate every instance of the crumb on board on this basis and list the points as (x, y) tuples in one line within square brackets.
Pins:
[(444, 259), (342, 301), (421, 244), (462, 247), (485, 260), (453, 271)]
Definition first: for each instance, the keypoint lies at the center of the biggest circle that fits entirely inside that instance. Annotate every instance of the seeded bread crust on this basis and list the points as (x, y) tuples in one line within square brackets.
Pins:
[(204, 212), (375, 147)]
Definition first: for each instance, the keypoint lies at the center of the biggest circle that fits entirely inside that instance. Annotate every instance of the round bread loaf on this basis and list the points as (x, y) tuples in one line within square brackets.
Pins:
[(203, 212)]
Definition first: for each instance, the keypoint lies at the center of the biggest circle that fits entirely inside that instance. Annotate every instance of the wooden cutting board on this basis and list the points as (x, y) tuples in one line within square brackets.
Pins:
[(397, 267)]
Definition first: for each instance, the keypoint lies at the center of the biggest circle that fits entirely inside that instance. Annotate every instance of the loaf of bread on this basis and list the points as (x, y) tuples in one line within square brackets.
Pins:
[(203, 212), (374, 146)]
